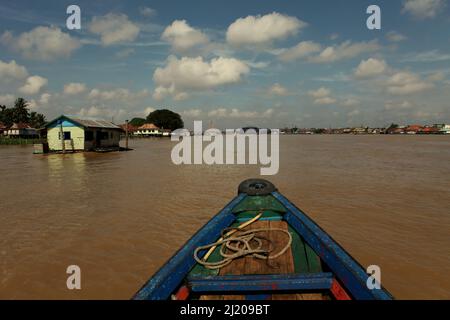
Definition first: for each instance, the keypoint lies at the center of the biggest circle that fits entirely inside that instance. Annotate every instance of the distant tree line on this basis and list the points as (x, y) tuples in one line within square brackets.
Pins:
[(20, 112), (161, 118)]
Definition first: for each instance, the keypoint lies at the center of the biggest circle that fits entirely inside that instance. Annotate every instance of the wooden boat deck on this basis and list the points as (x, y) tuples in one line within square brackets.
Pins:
[(285, 264)]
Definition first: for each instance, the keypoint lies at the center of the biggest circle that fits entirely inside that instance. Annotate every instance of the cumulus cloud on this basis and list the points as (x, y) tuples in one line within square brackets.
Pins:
[(12, 70), (114, 28), (395, 105), (45, 98), (394, 36), (124, 53), (42, 43), (370, 67), (345, 50), (102, 112), (301, 50), (406, 82), (239, 114), (262, 30), (119, 94), (183, 37), (192, 113), (74, 88), (179, 75), (350, 102), (7, 99), (147, 111), (147, 11), (423, 9), (278, 90), (426, 56), (322, 96), (33, 85)]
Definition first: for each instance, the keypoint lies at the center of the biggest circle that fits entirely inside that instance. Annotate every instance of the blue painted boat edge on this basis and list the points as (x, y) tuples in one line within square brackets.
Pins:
[(346, 268), (261, 283), (162, 284)]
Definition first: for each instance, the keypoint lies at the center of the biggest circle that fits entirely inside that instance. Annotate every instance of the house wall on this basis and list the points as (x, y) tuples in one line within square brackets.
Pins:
[(76, 134), (111, 137), (112, 140), (75, 143)]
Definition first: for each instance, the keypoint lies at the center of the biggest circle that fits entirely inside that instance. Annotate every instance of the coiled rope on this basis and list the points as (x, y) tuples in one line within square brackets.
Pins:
[(234, 247)]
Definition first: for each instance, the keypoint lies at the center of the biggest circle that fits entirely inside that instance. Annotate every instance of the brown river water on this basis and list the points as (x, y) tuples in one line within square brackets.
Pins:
[(120, 216)]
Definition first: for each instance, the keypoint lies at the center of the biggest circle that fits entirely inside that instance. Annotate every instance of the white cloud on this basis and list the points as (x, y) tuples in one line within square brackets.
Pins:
[(346, 50), (45, 98), (102, 112), (147, 11), (395, 36), (354, 113), (33, 85), (119, 94), (74, 88), (12, 70), (114, 28), (405, 82), (370, 67), (301, 50), (147, 111), (235, 113), (192, 113), (182, 36), (42, 43), (427, 56), (187, 73), (278, 90), (325, 100), (322, 96), (395, 105), (423, 9), (436, 76), (262, 30), (350, 102), (319, 93), (7, 99), (124, 53)]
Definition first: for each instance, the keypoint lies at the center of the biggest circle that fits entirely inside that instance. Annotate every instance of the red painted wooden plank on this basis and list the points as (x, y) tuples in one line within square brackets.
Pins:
[(182, 293), (339, 292)]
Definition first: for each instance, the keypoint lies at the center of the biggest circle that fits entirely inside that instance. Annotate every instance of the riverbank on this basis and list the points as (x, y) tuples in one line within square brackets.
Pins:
[(19, 141)]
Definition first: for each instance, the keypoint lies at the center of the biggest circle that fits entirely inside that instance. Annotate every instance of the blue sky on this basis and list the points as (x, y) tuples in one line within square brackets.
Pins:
[(267, 63)]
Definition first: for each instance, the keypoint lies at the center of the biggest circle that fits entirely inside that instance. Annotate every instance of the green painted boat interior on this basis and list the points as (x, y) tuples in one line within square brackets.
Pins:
[(305, 259)]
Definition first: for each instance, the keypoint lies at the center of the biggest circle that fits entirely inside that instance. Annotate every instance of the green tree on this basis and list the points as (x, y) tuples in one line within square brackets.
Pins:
[(20, 111), (165, 119), (137, 122), (37, 120)]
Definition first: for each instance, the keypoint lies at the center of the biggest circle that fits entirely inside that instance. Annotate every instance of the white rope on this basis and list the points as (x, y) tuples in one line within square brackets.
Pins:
[(240, 246)]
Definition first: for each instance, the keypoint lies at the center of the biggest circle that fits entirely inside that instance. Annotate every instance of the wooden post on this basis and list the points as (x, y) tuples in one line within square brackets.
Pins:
[(63, 142), (126, 134)]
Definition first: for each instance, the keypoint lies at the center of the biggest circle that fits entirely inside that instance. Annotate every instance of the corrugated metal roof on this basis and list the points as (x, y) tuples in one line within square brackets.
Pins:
[(148, 126), (88, 122), (95, 123)]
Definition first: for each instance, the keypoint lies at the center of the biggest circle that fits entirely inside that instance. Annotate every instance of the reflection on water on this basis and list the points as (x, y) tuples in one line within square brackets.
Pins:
[(119, 216)]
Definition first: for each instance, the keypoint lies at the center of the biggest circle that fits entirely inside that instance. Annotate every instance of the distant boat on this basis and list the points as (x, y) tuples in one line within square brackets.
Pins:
[(273, 251)]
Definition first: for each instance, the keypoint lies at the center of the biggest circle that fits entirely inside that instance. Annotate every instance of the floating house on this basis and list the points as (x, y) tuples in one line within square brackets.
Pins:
[(148, 130), (72, 133), (2, 128), (21, 130)]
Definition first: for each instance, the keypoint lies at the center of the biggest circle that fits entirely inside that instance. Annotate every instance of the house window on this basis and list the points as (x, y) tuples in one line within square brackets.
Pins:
[(89, 136), (67, 135)]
